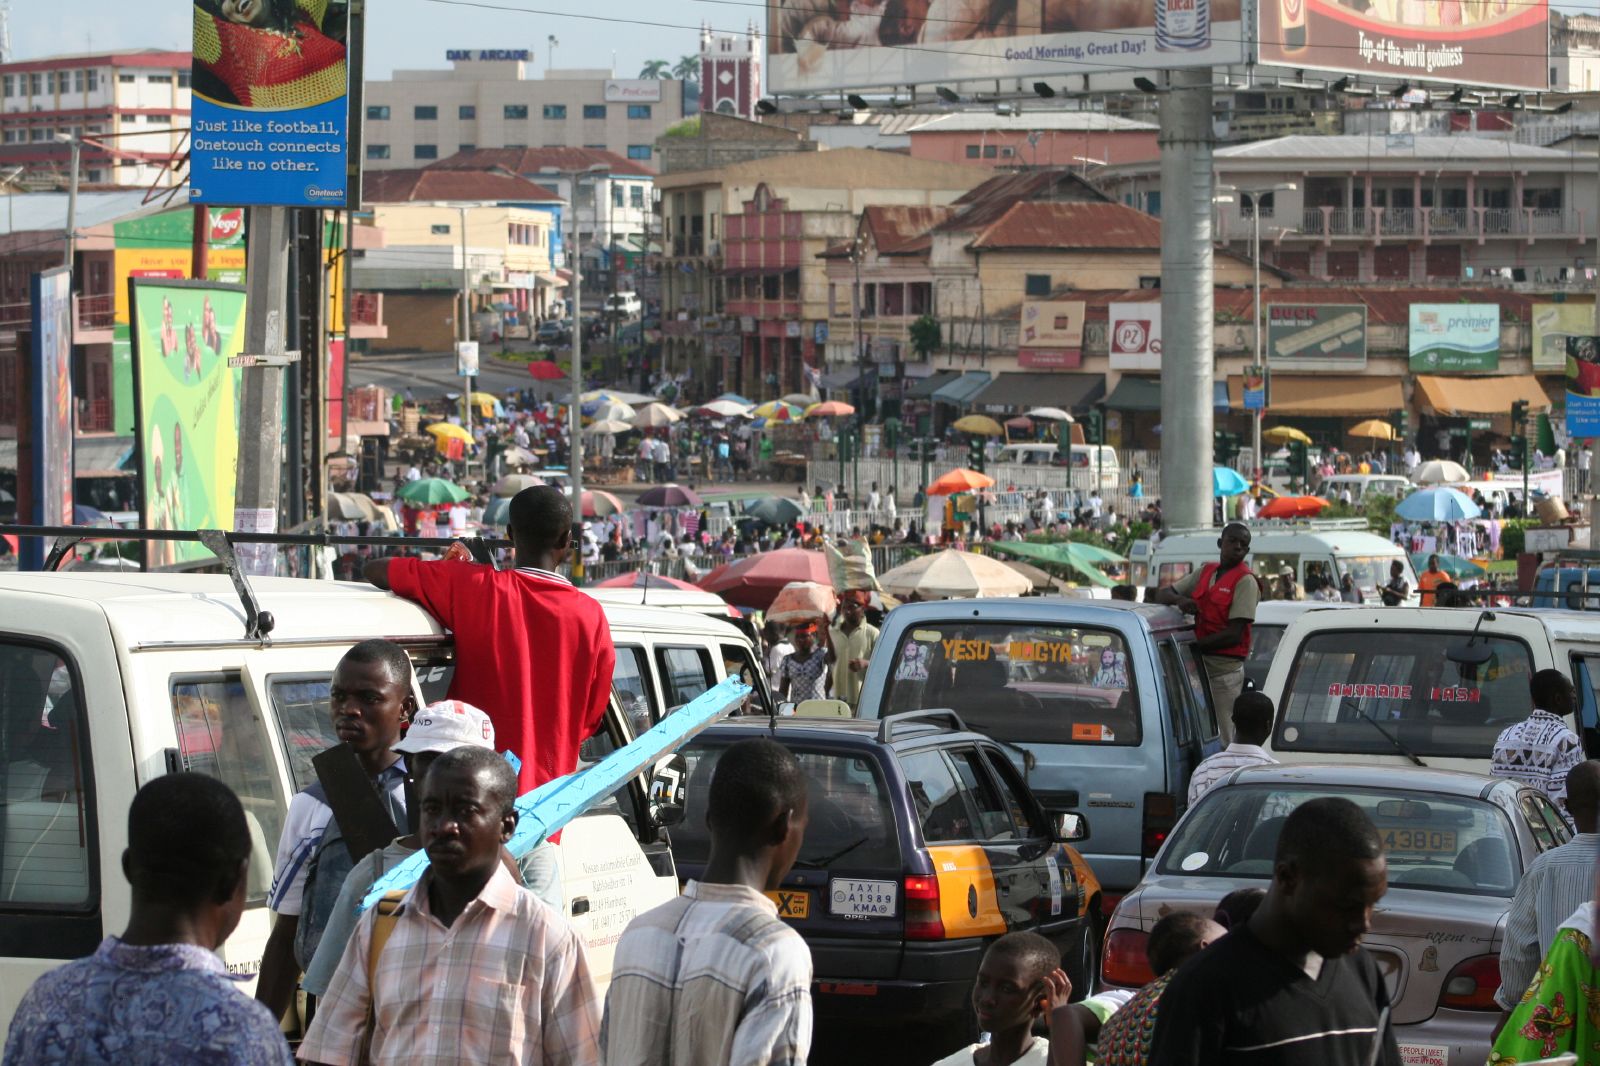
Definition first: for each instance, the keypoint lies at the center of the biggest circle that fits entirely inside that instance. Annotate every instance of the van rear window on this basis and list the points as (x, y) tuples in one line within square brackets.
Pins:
[(1347, 689), (1020, 682)]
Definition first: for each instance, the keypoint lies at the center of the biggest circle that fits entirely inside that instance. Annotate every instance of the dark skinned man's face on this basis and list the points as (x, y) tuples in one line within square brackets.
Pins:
[(368, 705), (462, 824)]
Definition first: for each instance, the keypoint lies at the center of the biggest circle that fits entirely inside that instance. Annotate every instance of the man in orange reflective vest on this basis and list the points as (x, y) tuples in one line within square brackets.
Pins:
[(1222, 596), (1430, 579)]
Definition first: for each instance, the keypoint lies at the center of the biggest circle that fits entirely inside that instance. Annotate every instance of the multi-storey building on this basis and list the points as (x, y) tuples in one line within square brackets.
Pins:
[(487, 100), (125, 108)]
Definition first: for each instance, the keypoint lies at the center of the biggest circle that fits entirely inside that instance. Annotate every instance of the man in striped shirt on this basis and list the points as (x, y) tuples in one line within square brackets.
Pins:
[(1252, 724), (1553, 886), (715, 978)]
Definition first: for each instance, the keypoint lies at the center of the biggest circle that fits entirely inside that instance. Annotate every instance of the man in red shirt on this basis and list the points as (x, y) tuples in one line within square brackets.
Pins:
[(531, 650)]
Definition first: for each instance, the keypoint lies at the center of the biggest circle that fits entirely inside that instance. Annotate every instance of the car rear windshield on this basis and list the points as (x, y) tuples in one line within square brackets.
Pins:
[(851, 822), (1377, 691), (1021, 682), (1439, 843)]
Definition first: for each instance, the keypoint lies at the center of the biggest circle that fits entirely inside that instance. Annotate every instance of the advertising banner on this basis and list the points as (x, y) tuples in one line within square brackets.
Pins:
[(1463, 337), (1135, 336), (1254, 392), (816, 44), (467, 359), (1583, 386), (270, 106), (1552, 325), (1317, 336), (1478, 42), (187, 405), (632, 91), (50, 415), (1051, 324)]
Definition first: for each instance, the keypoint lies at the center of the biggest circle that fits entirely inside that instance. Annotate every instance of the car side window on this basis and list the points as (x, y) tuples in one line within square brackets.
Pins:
[(1012, 790), (1542, 834), (994, 819), (630, 683), (1560, 832), (1177, 687), (221, 735), (305, 721), (1205, 713), (940, 808), (685, 674), (737, 662), (49, 834)]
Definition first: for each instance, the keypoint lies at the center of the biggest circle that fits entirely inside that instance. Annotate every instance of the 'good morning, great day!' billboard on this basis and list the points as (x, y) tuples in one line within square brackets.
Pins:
[(820, 44), (270, 103)]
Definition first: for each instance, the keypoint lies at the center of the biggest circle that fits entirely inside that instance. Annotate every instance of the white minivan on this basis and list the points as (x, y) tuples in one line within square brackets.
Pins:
[(1329, 548), (624, 305), (109, 680), (1086, 460)]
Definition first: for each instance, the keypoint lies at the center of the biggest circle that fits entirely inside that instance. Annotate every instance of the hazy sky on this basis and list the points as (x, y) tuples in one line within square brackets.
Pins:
[(410, 33)]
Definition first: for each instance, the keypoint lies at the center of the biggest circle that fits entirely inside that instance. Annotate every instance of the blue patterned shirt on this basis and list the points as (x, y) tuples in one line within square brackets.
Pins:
[(166, 1004)]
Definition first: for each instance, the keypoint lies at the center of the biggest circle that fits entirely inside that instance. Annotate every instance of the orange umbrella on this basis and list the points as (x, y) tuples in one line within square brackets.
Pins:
[(1293, 507), (829, 409), (960, 480)]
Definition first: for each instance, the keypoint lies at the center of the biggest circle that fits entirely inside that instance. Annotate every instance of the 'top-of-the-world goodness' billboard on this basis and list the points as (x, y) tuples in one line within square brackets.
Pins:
[(824, 44), (270, 103), (1463, 42)]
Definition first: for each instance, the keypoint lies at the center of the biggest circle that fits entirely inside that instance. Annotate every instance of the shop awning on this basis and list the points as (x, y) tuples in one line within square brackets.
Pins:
[(841, 379), (1135, 394), (103, 457), (1326, 395), (1024, 390), (926, 387), (959, 391), (1479, 396)]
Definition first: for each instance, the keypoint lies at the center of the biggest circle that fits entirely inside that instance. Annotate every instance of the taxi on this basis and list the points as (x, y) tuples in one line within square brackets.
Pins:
[(924, 844)]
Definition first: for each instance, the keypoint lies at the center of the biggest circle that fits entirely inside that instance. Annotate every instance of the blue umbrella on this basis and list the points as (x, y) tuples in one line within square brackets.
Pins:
[(734, 397), (84, 515), (498, 512), (1438, 504), (1226, 481)]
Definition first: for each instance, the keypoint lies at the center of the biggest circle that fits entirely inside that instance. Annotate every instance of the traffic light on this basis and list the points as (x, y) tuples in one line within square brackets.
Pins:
[(1094, 427), (1404, 423), (1519, 451), (975, 453), (1299, 460), (1519, 416), (891, 433), (1224, 447)]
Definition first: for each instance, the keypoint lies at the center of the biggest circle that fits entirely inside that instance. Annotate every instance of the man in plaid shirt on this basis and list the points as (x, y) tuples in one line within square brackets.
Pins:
[(477, 969)]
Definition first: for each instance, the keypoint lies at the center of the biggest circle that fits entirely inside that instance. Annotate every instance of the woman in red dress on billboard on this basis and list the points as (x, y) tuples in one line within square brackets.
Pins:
[(268, 55)]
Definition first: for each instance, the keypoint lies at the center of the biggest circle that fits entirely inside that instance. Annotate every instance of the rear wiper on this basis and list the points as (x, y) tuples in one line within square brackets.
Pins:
[(1391, 738), (829, 860)]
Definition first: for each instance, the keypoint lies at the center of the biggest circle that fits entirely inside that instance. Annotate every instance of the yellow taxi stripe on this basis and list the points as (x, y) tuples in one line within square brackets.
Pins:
[(968, 905)]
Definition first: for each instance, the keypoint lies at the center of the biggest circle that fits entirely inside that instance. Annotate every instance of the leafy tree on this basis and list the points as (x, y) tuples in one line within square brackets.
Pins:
[(656, 68), (687, 69), (925, 336)]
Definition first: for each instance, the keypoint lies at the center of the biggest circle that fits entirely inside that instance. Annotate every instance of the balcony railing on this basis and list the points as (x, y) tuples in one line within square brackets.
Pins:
[(93, 315), (366, 316), (1381, 222)]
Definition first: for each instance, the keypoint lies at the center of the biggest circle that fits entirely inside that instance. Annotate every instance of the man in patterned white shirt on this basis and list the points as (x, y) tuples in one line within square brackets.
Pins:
[(715, 977), (1554, 885), (1540, 749), (1252, 724)]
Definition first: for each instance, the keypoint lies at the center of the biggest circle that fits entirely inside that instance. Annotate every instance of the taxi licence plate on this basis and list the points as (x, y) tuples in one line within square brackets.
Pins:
[(1420, 841), (792, 904)]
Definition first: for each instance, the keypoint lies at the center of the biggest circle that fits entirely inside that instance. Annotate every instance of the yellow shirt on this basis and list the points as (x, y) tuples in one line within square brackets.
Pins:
[(857, 644)]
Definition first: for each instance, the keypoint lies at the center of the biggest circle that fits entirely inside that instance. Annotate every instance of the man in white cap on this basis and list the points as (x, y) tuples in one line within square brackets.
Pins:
[(436, 729)]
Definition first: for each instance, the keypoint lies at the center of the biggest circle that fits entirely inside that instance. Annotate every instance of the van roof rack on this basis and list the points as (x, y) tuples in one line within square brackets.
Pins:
[(220, 542), (929, 715), (1279, 525)]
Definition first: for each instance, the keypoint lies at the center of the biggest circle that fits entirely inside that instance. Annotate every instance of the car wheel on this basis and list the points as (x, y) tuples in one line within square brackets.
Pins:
[(1086, 971)]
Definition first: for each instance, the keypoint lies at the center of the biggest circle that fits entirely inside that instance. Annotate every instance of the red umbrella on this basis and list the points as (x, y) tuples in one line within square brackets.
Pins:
[(1293, 507), (756, 580), (639, 579), (545, 370)]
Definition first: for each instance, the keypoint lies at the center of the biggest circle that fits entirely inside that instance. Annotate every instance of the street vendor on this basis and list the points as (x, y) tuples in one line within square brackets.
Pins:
[(1222, 596), (850, 642)]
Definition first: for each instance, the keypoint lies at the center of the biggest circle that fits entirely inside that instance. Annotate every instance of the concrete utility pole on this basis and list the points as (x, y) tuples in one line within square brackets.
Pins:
[(1187, 317), (261, 394), (466, 332), (75, 146)]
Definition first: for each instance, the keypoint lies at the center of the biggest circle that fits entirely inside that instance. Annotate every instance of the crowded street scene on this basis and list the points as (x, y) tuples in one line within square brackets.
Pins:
[(883, 534)]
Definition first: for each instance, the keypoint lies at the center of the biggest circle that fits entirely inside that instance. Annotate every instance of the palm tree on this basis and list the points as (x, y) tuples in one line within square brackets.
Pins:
[(656, 68), (687, 69)]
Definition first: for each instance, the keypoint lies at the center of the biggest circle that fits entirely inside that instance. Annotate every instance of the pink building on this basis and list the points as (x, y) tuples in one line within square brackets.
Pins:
[(1034, 138)]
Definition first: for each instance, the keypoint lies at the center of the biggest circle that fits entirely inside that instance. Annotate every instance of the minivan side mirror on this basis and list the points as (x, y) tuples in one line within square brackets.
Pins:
[(667, 787), (1068, 827)]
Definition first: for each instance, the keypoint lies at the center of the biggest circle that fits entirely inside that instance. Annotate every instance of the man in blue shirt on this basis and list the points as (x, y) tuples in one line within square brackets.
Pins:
[(159, 993)]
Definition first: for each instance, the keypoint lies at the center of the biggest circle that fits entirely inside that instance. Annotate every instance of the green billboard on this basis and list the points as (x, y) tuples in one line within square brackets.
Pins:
[(187, 407)]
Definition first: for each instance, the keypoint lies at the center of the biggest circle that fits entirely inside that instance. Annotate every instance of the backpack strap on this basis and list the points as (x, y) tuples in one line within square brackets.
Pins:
[(383, 924)]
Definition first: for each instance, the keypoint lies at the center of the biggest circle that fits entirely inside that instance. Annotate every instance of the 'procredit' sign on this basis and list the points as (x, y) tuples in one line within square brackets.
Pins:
[(632, 91)]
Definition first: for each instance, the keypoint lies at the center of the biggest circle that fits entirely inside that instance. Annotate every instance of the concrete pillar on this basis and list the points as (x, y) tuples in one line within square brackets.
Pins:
[(1187, 361)]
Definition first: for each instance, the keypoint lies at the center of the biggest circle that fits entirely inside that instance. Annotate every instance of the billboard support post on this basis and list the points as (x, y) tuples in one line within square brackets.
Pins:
[(1187, 181), (261, 391)]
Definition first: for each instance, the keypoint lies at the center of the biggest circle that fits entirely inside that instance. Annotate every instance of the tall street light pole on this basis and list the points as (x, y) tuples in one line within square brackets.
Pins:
[(75, 146)]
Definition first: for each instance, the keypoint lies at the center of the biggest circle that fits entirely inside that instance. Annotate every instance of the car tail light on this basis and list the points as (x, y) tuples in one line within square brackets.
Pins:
[(922, 909), (1160, 815), (1126, 962), (1472, 984)]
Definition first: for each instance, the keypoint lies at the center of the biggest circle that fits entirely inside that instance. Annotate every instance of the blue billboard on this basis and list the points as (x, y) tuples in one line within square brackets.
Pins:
[(270, 103)]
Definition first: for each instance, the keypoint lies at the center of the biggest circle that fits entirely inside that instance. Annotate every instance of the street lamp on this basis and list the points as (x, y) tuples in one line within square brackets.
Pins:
[(1255, 195), (76, 146), (575, 407)]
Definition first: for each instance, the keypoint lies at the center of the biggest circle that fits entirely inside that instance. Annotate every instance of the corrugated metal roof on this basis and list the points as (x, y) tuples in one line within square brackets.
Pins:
[(1028, 121), (1026, 389), (1036, 224), (894, 227), (455, 186), (1390, 307), (531, 160), (45, 211), (984, 204), (1350, 148)]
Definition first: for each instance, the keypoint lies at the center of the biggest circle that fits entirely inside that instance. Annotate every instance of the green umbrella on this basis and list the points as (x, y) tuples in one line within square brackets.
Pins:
[(1081, 559), (432, 491)]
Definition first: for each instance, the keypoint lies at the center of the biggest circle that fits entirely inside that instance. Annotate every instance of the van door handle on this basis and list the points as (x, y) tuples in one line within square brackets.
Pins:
[(580, 905)]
